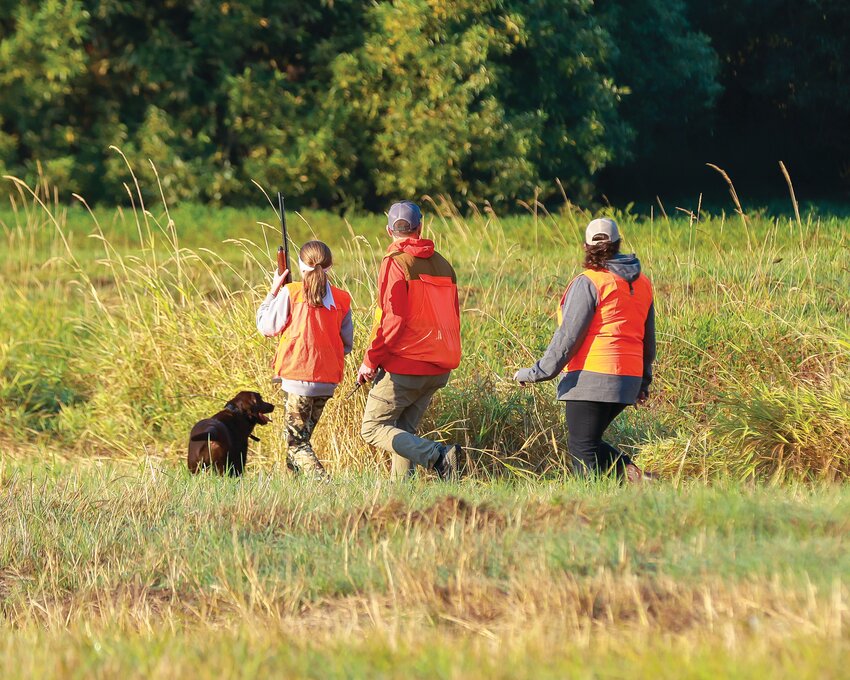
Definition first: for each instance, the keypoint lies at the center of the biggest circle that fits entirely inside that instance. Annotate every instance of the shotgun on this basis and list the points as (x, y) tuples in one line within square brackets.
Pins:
[(283, 249)]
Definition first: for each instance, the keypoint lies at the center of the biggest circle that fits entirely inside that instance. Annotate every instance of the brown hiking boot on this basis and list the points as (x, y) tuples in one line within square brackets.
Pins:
[(302, 461), (634, 475)]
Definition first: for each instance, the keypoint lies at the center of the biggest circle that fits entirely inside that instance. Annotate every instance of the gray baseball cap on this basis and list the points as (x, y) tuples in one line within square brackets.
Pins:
[(602, 229), (407, 211)]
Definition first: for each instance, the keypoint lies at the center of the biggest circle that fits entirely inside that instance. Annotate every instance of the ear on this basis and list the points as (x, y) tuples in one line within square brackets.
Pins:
[(241, 402)]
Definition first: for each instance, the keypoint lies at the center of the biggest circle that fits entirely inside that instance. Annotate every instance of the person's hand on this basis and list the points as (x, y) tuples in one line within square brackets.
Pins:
[(365, 374), (643, 396), (278, 281), (518, 375)]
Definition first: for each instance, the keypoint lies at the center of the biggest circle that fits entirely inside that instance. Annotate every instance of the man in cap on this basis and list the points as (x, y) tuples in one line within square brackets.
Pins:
[(414, 347)]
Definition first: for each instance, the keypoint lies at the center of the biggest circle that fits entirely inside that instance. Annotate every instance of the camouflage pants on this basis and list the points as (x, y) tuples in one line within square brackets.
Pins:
[(302, 414)]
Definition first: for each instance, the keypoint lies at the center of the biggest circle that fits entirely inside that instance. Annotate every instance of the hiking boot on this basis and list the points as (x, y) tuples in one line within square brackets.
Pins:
[(304, 462), (447, 465), (634, 475)]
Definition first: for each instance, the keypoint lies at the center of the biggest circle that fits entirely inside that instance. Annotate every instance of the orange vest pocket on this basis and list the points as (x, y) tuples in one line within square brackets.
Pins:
[(432, 332)]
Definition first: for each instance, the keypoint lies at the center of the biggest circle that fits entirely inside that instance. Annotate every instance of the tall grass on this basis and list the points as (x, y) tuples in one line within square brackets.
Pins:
[(123, 328)]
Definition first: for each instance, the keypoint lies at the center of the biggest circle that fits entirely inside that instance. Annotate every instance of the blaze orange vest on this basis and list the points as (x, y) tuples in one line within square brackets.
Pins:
[(310, 346), (432, 329), (614, 341)]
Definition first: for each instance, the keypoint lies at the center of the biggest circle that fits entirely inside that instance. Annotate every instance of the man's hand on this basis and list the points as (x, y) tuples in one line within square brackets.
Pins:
[(643, 395), (278, 281), (365, 374), (518, 375)]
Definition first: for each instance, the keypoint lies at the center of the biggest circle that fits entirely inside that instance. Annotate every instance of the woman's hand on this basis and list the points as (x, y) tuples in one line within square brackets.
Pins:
[(519, 376), (278, 281), (643, 396)]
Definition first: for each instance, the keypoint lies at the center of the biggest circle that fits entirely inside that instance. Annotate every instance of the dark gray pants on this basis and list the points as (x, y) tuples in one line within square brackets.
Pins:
[(586, 423)]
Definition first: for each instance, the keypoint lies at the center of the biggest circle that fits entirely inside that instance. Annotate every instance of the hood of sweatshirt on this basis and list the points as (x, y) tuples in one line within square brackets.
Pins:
[(625, 266), (418, 247)]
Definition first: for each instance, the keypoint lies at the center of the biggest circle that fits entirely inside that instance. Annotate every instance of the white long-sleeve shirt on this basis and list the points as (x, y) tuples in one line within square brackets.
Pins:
[(272, 317)]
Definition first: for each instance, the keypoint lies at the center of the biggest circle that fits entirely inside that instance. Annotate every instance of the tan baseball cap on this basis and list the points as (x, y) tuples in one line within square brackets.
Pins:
[(602, 229)]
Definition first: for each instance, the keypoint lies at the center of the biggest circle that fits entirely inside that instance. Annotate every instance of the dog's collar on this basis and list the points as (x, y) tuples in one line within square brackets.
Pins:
[(230, 406)]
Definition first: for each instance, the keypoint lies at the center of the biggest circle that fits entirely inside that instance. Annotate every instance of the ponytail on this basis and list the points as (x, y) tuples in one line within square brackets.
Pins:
[(315, 285), (317, 255)]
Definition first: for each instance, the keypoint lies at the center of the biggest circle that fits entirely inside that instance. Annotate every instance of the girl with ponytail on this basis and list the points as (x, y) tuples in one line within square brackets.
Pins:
[(313, 320), (314, 260)]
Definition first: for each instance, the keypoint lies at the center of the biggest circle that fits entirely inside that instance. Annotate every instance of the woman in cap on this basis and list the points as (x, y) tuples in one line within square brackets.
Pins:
[(605, 344)]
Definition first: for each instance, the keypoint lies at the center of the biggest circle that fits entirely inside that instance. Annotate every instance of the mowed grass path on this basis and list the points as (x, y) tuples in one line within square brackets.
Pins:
[(139, 570)]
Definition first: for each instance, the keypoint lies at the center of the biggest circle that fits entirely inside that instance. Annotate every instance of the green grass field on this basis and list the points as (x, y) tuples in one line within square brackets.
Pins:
[(140, 570), (122, 327)]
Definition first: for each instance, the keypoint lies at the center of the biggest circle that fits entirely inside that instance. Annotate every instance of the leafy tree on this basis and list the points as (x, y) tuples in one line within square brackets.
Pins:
[(668, 68), (784, 70), (561, 74), (42, 60), (420, 95), (346, 102)]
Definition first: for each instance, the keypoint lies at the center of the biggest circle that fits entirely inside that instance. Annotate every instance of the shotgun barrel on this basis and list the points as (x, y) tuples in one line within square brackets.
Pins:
[(283, 248), (282, 251)]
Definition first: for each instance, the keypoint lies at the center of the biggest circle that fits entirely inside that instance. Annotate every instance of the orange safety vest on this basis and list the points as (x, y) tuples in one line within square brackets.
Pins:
[(310, 346), (432, 327), (432, 331), (614, 341)]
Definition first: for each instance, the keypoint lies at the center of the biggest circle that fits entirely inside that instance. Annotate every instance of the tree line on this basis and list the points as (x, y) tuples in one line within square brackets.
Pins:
[(348, 102)]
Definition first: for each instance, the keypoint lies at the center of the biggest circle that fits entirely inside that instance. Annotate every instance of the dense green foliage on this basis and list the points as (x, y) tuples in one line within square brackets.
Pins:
[(345, 101), (351, 102), (781, 95)]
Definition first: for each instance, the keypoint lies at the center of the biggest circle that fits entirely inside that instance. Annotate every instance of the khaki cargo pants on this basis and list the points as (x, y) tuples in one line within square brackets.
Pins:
[(393, 411)]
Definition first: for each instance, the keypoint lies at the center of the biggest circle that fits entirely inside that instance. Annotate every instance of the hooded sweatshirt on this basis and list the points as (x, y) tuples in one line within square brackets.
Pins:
[(577, 313), (404, 258)]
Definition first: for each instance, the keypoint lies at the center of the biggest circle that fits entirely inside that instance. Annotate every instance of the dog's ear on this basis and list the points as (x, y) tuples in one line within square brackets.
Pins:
[(241, 402)]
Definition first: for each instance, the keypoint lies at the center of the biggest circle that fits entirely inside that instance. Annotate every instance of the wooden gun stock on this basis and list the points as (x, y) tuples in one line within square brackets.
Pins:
[(281, 262)]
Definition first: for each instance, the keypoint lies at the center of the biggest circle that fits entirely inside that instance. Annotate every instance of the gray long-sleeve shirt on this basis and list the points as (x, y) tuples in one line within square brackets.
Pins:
[(272, 317), (577, 314)]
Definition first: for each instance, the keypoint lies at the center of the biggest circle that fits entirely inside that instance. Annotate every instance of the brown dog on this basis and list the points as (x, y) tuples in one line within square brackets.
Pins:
[(221, 442)]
